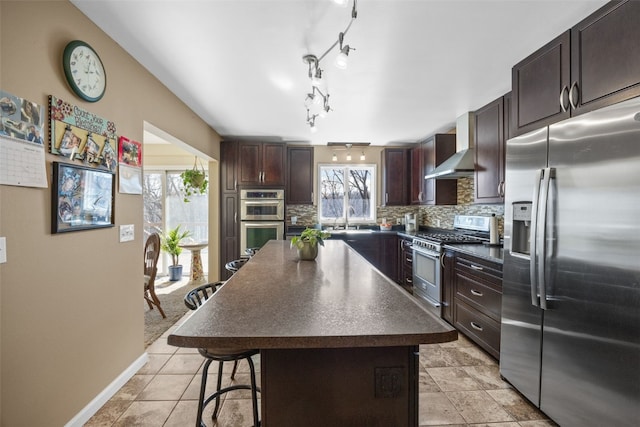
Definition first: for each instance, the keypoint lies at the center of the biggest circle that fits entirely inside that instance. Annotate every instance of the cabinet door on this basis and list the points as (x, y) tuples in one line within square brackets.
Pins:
[(249, 163), (229, 232), (273, 161), (605, 57), (395, 182), (417, 177), (228, 170), (300, 176), (436, 150), (448, 276), (538, 82), (489, 152), (389, 255)]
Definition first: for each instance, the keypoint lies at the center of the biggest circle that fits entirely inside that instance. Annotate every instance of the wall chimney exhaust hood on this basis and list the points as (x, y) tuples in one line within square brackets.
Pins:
[(461, 164)]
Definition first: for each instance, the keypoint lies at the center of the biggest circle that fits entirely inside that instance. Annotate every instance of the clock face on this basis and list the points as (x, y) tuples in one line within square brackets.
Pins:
[(84, 71)]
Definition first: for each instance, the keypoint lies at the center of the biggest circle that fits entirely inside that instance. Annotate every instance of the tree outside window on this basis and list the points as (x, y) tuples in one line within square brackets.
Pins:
[(347, 194)]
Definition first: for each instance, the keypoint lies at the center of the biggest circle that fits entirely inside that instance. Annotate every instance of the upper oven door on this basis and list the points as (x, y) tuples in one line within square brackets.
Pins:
[(262, 210)]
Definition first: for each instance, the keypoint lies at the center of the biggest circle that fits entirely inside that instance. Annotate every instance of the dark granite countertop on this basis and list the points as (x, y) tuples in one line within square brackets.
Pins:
[(337, 301), (491, 253)]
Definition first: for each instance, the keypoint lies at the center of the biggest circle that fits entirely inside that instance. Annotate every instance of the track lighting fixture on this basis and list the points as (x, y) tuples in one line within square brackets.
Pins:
[(334, 158), (347, 146), (316, 99), (362, 157)]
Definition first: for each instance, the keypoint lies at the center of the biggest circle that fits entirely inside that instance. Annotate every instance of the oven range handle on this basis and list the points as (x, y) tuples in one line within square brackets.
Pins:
[(425, 252)]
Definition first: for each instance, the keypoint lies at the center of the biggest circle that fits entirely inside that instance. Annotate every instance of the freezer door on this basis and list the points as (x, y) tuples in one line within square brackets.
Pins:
[(520, 342), (591, 345)]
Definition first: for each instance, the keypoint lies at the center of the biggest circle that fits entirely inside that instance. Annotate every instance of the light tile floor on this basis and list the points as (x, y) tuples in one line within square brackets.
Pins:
[(460, 385)]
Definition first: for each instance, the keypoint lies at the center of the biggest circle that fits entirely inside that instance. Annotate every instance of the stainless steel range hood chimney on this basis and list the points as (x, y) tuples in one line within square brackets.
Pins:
[(461, 164)]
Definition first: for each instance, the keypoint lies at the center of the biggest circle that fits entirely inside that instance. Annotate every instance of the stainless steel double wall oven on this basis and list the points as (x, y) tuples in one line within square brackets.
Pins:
[(261, 217)]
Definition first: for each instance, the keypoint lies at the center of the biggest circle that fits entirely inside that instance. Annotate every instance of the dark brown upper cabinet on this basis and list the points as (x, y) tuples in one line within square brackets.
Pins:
[(592, 65), (395, 176), (491, 131), (436, 150), (417, 182), (299, 190), (261, 164)]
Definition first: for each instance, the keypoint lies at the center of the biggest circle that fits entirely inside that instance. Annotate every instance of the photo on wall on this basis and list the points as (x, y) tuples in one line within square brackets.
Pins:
[(20, 118)]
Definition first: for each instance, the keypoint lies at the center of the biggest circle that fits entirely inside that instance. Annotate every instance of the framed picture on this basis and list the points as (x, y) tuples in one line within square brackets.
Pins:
[(82, 198)]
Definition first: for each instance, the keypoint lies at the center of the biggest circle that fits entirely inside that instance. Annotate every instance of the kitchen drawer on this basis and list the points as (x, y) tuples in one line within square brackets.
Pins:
[(481, 329), (478, 295), (486, 270), (407, 280), (407, 260)]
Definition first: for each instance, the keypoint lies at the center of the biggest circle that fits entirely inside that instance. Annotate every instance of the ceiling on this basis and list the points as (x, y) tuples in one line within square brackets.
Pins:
[(416, 67)]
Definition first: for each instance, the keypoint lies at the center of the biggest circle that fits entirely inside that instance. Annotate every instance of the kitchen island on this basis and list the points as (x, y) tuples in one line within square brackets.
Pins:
[(338, 340)]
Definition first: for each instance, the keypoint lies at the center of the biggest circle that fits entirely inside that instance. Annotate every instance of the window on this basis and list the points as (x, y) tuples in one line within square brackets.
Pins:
[(347, 193), (164, 208)]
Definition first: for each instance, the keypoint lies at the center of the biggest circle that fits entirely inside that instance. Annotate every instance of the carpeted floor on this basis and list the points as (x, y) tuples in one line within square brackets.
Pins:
[(171, 295)]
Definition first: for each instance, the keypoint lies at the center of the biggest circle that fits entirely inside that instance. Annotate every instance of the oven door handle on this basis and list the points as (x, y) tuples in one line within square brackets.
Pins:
[(262, 202)]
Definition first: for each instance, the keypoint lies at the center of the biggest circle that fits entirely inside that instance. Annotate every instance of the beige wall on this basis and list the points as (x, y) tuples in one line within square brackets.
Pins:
[(70, 304)]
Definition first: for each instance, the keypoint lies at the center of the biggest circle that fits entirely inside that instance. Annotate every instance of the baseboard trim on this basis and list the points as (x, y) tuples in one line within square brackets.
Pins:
[(88, 411)]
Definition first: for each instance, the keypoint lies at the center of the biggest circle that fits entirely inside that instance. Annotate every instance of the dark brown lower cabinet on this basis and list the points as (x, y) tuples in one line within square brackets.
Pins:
[(477, 300), (369, 386)]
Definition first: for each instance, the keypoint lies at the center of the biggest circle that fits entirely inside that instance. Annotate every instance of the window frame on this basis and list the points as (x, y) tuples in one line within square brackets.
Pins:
[(373, 194)]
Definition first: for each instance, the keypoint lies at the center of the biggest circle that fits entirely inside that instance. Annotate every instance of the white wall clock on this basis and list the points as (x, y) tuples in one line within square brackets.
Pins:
[(84, 71)]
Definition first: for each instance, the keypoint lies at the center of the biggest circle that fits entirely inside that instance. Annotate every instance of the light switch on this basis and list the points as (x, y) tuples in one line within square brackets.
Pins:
[(126, 233), (3, 250)]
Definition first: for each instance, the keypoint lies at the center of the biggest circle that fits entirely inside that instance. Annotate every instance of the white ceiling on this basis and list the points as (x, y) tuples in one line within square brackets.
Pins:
[(417, 65)]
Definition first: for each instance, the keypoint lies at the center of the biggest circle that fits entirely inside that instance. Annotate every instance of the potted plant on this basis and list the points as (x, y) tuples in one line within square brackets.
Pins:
[(170, 243), (194, 181), (307, 242)]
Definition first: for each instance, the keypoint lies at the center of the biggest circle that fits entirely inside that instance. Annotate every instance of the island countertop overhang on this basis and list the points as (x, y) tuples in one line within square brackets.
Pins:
[(337, 301)]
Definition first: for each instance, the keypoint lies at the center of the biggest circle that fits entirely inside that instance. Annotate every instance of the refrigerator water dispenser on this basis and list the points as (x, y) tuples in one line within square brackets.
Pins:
[(521, 227)]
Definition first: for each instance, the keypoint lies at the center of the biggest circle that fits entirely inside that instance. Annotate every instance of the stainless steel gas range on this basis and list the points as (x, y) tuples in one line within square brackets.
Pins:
[(427, 255)]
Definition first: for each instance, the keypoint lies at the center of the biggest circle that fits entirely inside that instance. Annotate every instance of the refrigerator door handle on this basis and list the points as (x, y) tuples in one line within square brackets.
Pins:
[(534, 239), (548, 173)]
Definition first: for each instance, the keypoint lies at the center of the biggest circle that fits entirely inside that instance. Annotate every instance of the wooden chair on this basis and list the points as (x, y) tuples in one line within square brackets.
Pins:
[(194, 299), (151, 255)]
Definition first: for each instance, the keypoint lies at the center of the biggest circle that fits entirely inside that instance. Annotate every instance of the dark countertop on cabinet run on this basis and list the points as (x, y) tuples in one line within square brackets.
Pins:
[(491, 253), (337, 301)]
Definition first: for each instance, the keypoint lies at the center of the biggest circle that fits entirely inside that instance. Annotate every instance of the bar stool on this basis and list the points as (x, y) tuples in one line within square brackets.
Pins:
[(194, 299), (235, 265), (251, 251)]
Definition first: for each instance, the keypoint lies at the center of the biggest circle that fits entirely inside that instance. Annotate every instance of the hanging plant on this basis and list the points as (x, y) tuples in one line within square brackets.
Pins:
[(194, 181)]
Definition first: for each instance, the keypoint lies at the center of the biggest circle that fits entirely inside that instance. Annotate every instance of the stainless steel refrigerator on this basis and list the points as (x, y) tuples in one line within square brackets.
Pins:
[(570, 336)]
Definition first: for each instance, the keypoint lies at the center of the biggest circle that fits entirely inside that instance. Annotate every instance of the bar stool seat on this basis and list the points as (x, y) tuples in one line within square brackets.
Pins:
[(235, 265)]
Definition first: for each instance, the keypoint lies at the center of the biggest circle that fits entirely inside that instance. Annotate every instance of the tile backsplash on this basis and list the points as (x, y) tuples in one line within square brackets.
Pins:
[(430, 216)]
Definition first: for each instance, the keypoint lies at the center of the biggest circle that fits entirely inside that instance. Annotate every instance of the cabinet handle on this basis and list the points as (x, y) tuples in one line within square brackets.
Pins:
[(474, 325), (502, 189), (476, 293), (442, 260), (476, 267), (420, 196), (409, 280), (235, 184), (564, 107), (386, 197), (409, 259), (574, 86), (235, 217)]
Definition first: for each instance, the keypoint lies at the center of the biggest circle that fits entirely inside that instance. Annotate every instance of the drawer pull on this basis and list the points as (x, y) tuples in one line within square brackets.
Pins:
[(408, 280), (474, 325), (409, 259), (476, 293), (476, 267)]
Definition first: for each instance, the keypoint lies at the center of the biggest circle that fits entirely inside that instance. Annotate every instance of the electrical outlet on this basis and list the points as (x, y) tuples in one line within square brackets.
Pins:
[(126, 233)]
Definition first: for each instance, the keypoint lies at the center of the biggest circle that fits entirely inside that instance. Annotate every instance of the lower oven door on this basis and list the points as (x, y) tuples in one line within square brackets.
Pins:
[(254, 234), (426, 276)]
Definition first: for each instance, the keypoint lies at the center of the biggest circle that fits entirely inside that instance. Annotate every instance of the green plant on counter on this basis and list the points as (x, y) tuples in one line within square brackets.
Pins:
[(312, 236), (194, 181)]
